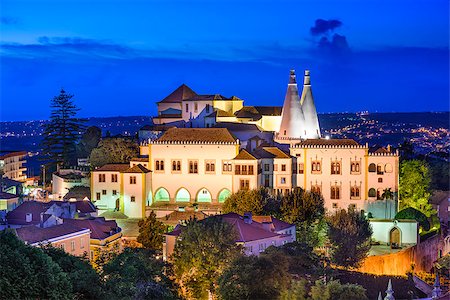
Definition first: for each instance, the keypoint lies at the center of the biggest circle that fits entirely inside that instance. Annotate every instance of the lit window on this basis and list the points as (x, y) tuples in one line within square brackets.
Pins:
[(283, 180)]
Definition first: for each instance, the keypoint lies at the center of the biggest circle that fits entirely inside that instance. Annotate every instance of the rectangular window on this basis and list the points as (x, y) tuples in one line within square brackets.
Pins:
[(97, 196), (187, 107), (250, 170), (283, 168), (266, 180), (82, 243), (275, 167), (193, 167), (133, 199), (266, 167), (380, 179), (237, 169), (103, 192), (114, 192), (176, 166), (244, 184), (208, 108), (335, 168), (354, 168), (210, 166), (283, 180), (316, 167), (113, 177), (244, 169), (226, 167), (300, 168), (72, 245), (132, 179), (335, 192), (159, 165), (195, 107), (101, 177)]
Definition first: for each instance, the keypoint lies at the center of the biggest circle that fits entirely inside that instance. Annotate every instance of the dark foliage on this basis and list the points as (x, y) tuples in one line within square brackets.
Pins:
[(151, 232), (411, 213)]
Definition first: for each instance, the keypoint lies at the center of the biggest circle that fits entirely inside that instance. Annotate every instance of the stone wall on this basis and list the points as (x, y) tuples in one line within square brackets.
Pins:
[(422, 256)]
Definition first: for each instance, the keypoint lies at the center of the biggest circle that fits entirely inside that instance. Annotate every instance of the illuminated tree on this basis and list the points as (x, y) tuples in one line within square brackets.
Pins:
[(204, 250), (114, 150), (151, 232), (349, 233)]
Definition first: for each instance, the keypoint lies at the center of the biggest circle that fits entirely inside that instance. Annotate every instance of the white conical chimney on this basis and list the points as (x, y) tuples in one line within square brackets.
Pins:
[(292, 119), (309, 109)]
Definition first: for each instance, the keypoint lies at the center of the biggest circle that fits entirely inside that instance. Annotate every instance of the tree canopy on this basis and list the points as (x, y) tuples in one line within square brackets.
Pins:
[(411, 213), (334, 290), (245, 201), (202, 253), (26, 272), (300, 205), (114, 150), (415, 186), (151, 232), (89, 140), (349, 233), (62, 132)]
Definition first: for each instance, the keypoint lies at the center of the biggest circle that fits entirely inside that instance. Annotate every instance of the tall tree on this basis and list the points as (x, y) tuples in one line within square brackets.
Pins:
[(63, 130), (26, 272), (349, 233), (299, 206), (151, 232), (114, 150), (245, 201), (89, 140), (414, 188), (205, 249)]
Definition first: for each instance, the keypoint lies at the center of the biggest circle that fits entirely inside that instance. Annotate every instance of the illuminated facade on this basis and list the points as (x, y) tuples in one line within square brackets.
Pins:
[(12, 165)]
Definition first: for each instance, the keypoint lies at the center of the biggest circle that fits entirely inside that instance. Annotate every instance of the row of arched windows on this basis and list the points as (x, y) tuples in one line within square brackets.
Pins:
[(183, 195), (380, 169)]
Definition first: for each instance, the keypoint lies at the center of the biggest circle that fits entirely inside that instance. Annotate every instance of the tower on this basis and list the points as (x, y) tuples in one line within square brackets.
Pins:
[(309, 109), (292, 119)]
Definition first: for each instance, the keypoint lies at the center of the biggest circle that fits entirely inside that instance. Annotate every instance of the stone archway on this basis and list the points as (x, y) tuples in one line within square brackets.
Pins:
[(394, 237)]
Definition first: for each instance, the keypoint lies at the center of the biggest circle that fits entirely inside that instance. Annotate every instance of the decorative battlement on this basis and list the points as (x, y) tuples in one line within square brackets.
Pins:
[(329, 146), (156, 142)]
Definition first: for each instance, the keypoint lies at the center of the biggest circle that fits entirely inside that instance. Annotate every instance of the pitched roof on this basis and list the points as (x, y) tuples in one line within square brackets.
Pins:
[(78, 192), (211, 97), (256, 112), (137, 169), (113, 168), (141, 159), (34, 234), (220, 113), (270, 152), (208, 135), (85, 206), (378, 149), (328, 142), (244, 155), (18, 215), (269, 110), (175, 217), (181, 93), (100, 228), (232, 126)]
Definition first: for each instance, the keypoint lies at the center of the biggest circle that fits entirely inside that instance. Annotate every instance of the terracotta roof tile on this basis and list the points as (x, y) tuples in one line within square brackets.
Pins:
[(181, 93), (137, 169), (231, 126), (78, 192), (270, 152), (209, 135), (34, 234), (141, 159), (244, 155), (113, 168), (100, 229)]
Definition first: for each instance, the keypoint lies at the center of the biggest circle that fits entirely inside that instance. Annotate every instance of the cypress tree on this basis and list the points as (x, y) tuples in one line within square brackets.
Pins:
[(62, 132)]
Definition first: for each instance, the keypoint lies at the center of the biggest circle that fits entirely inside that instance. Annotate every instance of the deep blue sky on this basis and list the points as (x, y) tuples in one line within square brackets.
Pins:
[(120, 57)]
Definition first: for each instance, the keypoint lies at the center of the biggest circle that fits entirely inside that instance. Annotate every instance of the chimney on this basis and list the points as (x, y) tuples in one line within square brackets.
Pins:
[(248, 217), (28, 217), (389, 148), (41, 222)]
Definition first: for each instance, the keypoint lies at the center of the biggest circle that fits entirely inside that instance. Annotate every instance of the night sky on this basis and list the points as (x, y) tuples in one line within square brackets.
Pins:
[(120, 57)]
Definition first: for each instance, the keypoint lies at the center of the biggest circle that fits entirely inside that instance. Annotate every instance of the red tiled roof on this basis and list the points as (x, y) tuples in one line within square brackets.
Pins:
[(208, 135), (244, 155), (181, 93), (328, 142), (78, 193), (232, 126), (85, 206), (177, 216), (113, 168), (100, 228), (141, 159), (18, 215), (137, 169), (34, 234), (270, 152)]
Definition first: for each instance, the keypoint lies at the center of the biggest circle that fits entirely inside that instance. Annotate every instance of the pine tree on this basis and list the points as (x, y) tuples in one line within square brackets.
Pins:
[(63, 131)]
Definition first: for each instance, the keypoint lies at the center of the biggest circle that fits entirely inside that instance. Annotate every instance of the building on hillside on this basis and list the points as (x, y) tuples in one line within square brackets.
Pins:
[(441, 203), (255, 234), (105, 235), (122, 187), (12, 165), (65, 179), (73, 240)]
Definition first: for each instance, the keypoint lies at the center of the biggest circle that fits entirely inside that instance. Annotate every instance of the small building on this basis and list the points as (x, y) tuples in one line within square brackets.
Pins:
[(65, 179), (73, 240), (395, 233), (255, 234), (106, 235), (12, 164), (8, 202)]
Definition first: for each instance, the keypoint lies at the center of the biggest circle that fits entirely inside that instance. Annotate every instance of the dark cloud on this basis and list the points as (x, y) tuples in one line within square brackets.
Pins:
[(324, 26), (337, 44)]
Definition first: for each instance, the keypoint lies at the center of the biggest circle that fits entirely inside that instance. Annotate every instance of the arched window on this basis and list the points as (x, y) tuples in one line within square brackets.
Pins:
[(335, 168), (223, 195), (204, 196), (372, 192), (162, 195), (183, 195), (380, 169), (335, 192), (388, 168), (372, 168), (315, 189), (354, 192)]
